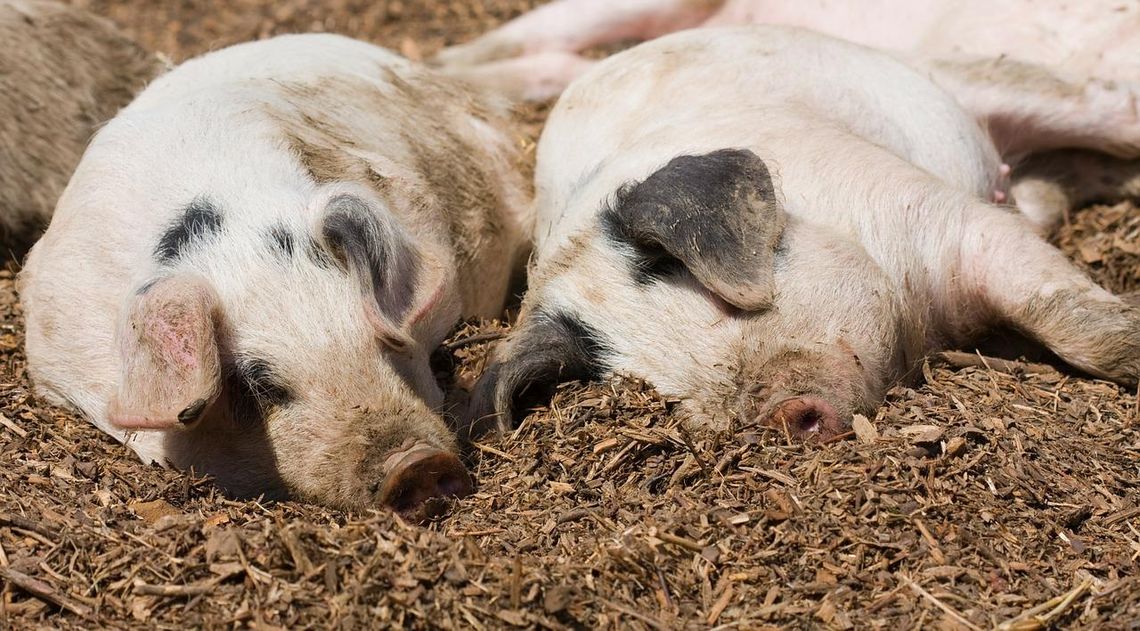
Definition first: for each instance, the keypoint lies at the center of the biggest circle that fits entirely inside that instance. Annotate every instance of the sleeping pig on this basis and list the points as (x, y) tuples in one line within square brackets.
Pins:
[(63, 72), (253, 261), (780, 249)]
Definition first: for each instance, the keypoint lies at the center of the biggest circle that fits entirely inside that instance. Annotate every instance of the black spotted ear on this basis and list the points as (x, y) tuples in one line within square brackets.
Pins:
[(717, 213), (544, 351), (379, 254)]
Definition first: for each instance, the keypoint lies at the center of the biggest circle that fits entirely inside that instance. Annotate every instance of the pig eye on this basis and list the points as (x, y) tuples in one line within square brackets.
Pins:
[(259, 384), (651, 265)]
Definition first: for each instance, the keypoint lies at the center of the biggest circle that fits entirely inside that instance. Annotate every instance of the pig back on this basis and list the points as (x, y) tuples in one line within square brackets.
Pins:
[(767, 88)]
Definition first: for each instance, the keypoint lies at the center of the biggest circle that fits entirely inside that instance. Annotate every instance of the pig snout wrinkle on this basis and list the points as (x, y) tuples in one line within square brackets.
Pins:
[(419, 481)]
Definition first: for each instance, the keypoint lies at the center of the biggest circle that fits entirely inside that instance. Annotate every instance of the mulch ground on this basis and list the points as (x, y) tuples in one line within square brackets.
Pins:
[(978, 498)]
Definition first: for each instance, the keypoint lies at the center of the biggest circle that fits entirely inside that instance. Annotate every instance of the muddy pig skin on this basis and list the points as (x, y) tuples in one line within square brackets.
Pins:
[(781, 249), (63, 73), (253, 261)]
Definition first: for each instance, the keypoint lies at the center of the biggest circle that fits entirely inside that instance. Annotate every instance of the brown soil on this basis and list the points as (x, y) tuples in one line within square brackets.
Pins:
[(978, 497)]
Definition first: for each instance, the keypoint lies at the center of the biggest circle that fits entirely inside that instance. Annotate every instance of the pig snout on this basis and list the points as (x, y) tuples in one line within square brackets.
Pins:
[(806, 417), (419, 481), (806, 395)]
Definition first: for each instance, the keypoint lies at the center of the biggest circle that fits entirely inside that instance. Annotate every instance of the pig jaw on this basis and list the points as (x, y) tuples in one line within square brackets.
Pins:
[(404, 460)]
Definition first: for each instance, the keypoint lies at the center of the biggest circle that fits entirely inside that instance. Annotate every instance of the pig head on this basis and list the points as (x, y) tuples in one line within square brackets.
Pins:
[(779, 250), (696, 280), (254, 261)]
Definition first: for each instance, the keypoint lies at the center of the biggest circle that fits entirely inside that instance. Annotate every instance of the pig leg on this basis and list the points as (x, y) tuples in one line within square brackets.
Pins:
[(1006, 273), (574, 25), (531, 78), (1047, 186), (1028, 109)]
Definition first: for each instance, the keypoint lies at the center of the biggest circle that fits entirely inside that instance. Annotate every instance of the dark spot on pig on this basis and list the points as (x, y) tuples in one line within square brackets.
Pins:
[(199, 220), (192, 412), (282, 240), (374, 249), (266, 387), (550, 349), (716, 214)]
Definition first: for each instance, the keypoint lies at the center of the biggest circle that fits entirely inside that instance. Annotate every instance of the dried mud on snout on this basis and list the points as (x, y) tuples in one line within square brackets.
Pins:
[(967, 501)]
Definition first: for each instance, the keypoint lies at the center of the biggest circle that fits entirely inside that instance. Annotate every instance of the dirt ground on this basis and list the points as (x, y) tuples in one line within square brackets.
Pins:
[(979, 498)]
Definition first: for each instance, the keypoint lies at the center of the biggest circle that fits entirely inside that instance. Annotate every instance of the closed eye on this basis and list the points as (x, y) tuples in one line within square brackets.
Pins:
[(654, 264), (263, 383)]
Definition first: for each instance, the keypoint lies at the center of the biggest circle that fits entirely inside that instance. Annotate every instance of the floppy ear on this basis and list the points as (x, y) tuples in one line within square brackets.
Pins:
[(380, 255), (171, 370), (717, 213), (548, 349)]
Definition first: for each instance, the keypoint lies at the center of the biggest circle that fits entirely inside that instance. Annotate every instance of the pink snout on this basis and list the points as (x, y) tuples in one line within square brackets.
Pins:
[(807, 416), (421, 479)]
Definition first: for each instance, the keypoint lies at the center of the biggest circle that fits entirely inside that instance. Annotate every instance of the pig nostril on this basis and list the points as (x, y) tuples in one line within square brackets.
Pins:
[(808, 422), (421, 479), (805, 416), (403, 501), (452, 486)]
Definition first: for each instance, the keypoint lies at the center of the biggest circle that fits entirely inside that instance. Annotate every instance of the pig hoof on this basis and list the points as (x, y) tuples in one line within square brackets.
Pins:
[(805, 417), (419, 484)]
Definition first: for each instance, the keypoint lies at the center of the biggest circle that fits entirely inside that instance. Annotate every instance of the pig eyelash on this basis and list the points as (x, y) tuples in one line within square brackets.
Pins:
[(259, 384)]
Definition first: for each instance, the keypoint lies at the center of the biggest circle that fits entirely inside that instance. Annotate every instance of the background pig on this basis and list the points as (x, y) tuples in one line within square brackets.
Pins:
[(781, 249), (63, 72), (253, 261), (1095, 38), (1039, 74)]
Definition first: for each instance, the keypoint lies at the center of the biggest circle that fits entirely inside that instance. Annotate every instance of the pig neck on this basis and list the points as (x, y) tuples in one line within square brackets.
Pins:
[(490, 253)]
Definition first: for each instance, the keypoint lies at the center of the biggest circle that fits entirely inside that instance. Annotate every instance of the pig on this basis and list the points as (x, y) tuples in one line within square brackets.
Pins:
[(777, 251), (63, 72), (535, 55), (253, 261)]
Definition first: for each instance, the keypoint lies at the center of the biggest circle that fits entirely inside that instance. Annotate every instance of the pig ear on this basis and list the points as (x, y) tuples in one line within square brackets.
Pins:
[(550, 348), (171, 370), (379, 254), (716, 213)]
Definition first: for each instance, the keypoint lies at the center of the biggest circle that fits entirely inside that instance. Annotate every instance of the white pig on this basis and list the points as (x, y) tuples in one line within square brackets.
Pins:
[(254, 260), (63, 72), (781, 248)]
